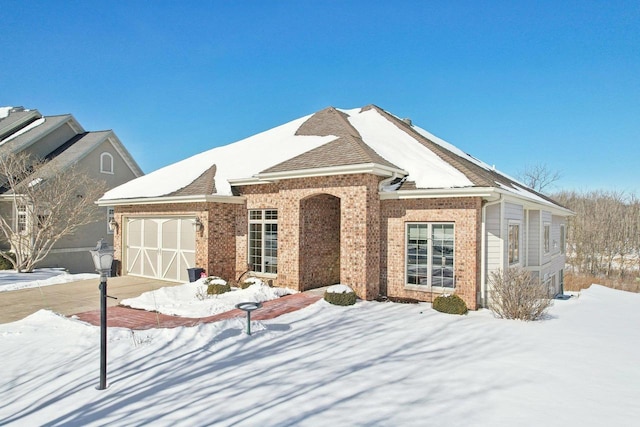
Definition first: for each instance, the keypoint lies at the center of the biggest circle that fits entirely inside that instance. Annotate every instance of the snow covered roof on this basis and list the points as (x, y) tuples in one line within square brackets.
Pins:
[(331, 141)]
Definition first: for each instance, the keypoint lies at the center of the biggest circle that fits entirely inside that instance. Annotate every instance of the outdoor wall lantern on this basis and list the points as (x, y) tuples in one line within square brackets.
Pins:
[(113, 225), (102, 259), (199, 226)]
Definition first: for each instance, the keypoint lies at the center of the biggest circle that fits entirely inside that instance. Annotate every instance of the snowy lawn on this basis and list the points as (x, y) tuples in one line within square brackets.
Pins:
[(380, 364), (190, 299), (11, 281)]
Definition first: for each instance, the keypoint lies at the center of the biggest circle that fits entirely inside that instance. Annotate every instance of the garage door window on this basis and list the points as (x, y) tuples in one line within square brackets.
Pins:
[(263, 240)]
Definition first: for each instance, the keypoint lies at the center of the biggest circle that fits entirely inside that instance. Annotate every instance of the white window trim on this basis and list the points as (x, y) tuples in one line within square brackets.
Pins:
[(509, 225), (111, 211), (22, 213), (429, 287), (262, 221), (546, 238), (102, 163)]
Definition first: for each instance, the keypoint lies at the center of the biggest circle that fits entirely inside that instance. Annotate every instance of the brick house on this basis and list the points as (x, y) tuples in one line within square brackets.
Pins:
[(358, 197)]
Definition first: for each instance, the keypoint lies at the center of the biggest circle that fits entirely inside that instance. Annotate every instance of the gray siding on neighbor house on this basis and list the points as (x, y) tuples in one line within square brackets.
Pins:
[(71, 251)]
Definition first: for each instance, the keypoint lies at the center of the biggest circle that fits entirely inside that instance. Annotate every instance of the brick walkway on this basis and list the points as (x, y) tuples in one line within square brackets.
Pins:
[(131, 318)]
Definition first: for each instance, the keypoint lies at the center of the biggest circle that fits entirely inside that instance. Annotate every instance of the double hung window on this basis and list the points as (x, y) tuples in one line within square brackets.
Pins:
[(547, 238), (263, 240), (430, 254), (514, 243)]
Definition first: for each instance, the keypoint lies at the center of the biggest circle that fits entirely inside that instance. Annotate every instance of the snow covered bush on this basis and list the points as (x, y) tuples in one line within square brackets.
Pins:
[(340, 295), (451, 304), (250, 281), (216, 285), (516, 294)]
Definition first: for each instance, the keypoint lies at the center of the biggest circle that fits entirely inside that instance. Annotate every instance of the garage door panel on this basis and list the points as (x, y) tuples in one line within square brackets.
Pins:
[(150, 233), (187, 234), (134, 261), (160, 247), (170, 234)]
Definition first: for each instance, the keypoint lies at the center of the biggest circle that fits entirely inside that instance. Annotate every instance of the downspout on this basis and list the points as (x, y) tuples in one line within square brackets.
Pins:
[(483, 252)]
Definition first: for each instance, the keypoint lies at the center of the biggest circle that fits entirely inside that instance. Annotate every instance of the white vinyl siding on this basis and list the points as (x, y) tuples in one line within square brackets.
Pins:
[(494, 238), (533, 243)]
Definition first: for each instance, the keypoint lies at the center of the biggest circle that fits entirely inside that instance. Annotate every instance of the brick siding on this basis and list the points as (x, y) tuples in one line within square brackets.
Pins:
[(331, 230), (463, 212)]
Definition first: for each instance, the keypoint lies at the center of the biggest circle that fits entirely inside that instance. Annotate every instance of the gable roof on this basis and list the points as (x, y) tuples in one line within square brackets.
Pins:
[(21, 129), (329, 142)]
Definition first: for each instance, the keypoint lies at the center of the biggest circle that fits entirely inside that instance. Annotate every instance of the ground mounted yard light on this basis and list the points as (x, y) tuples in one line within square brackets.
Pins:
[(102, 259)]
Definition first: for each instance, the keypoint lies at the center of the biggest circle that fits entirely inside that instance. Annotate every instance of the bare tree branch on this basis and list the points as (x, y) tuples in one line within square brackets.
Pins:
[(539, 176), (53, 205)]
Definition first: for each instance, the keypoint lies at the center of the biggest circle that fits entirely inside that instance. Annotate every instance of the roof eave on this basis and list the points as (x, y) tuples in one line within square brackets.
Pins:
[(536, 204), (370, 168), (487, 193), (159, 200)]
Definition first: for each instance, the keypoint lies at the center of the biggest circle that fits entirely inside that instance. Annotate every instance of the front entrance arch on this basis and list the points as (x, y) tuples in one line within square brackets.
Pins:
[(319, 241)]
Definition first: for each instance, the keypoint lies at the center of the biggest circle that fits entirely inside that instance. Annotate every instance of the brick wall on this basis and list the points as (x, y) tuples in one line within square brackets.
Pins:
[(330, 230), (215, 244), (320, 241), (359, 228), (463, 212)]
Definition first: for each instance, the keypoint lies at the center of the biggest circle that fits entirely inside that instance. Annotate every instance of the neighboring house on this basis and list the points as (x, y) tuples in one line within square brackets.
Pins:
[(358, 197), (63, 142)]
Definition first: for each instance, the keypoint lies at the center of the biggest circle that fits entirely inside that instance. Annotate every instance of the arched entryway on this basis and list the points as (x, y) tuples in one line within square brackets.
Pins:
[(319, 241)]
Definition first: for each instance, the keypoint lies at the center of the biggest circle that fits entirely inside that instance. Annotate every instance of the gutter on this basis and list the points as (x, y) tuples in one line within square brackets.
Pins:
[(200, 198), (372, 168)]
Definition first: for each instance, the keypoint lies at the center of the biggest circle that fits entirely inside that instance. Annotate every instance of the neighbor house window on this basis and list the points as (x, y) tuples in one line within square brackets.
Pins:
[(21, 218), (263, 240), (563, 239), (547, 238), (514, 243), (106, 163), (110, 217), (430, 254)]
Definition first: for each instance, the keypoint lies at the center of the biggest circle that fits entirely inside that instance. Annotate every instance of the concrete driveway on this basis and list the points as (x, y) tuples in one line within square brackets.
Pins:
[(74, 297)]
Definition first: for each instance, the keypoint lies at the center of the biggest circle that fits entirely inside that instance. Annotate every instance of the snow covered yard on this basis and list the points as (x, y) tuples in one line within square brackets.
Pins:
[(11, 281), (368, 364), (190, 299)]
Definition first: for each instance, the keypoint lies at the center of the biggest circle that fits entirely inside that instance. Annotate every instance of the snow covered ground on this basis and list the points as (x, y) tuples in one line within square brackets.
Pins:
[(184, 300), (374, 364), (11, 281)]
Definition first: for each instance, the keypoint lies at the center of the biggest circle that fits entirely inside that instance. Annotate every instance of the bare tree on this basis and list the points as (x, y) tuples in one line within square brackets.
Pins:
[(604, 237), (539, 177), (46, 204)]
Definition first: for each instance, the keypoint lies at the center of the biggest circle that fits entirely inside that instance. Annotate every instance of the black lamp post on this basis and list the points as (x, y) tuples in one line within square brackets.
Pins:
[(102, 259)]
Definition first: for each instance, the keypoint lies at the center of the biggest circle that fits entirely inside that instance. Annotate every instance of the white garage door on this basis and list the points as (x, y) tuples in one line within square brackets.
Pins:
[(160, 247)]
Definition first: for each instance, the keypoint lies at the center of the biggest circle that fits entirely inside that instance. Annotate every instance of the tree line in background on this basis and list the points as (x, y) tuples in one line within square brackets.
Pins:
[(603, 238)]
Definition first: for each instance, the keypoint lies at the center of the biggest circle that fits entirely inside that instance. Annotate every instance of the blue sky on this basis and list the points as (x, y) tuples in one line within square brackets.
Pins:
[(510, 82)]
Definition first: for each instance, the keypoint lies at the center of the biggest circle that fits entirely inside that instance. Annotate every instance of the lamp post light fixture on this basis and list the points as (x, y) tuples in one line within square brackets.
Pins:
[(102, 258)]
